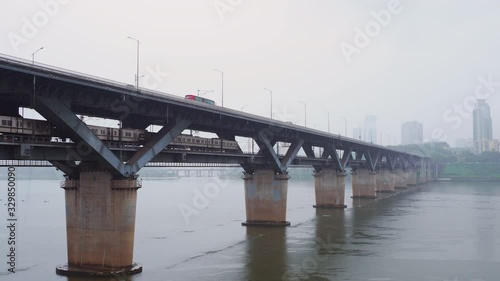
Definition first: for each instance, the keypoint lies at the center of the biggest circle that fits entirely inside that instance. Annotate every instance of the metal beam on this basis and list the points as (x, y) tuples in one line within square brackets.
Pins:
[(267, 149), (307, 147), (346, 157), (391, 162), (332, 151), (59, 114), (163, 138), (68, 167), (404, 162), (359, 155), (291, 154), (372, 160)]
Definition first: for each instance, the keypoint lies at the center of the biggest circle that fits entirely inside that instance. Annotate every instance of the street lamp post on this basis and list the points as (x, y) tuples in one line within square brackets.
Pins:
[(137, 73), (33, 55), (305, 112), (248, 143), (222, 90), (34, 77), (271, 93), (328, 112)]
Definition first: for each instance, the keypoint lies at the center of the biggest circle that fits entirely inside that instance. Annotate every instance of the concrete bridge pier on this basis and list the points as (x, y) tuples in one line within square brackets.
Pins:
[(265, 198), (422, 177), (429, 172), (329, 188), (400, 179), (411, 179), (364, 183), (100, 224), (386, 180)]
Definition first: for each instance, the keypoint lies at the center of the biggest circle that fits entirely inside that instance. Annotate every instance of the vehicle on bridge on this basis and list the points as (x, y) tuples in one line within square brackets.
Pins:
[(21, 129), (200, 99)]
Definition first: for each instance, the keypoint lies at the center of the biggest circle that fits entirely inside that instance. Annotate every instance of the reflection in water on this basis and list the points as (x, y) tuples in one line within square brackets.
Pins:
[(314, 252), (265, 253), (485, 230)]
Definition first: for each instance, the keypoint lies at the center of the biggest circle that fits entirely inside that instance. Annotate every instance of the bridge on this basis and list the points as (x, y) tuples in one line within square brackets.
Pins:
[(102, 179)]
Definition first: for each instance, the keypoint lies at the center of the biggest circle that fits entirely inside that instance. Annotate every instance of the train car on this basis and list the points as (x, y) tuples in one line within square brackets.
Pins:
[(113, 134), (20, 129), (200, 99), (193, 143)]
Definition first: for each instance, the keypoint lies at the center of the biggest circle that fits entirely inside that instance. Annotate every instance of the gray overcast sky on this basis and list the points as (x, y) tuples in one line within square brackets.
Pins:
[(418, 65)]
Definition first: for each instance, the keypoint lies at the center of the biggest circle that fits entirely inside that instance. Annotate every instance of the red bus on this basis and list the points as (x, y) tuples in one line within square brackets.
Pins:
[(200, 99)]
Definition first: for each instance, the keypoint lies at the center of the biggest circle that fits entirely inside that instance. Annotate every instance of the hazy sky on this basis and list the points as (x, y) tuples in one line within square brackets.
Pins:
[(421, 61)]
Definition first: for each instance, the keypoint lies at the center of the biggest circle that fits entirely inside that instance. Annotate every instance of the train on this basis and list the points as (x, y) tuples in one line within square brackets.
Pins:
[(22, 129)]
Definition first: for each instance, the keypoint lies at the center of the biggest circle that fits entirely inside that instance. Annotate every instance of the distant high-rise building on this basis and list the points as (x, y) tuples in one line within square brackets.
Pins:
[(370, 129), (412, 133), (482, 126)]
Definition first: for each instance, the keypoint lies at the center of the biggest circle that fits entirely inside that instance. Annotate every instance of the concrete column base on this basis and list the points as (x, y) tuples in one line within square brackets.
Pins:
[(67, 270), (411, 180), (385, 181), (100, 224), (400, 180), (326, 206), (265, 198), (266, 223), (364, 184), (428, 172), (422, 177), (329, 189)]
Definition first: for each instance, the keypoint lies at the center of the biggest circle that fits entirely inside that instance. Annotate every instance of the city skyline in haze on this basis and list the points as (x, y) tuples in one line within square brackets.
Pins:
[(418, 61)]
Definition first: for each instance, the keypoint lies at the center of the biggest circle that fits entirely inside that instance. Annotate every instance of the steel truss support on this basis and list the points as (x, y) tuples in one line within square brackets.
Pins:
[(391, 161), (339, 163), (266, 146), (67, 167), (59, 114), (372, 157), (307, 147)]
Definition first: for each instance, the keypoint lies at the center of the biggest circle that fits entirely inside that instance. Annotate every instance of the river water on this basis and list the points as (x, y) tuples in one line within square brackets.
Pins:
[(441, 231)]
